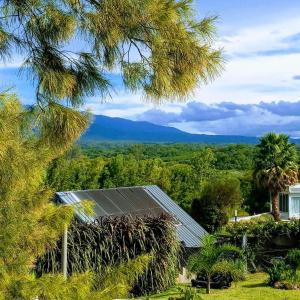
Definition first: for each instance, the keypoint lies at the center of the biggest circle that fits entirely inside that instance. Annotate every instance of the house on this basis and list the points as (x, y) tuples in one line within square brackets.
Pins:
[(289, 203), (135, 201)]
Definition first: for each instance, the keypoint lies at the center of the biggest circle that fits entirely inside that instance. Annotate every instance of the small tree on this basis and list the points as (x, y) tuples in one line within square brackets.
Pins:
[(217, 202), (276, 166), (203, 164), (212, 258)]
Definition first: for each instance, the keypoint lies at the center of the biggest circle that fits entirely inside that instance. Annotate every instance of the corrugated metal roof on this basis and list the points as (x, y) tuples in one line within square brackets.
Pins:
[(135, 201), (188, 230)]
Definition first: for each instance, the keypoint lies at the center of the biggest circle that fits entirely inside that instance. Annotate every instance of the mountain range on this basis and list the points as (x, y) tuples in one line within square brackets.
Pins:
[(108, 129)]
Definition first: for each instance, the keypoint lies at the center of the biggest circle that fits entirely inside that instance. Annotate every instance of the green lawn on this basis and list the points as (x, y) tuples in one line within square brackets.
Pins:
[(254, 288)]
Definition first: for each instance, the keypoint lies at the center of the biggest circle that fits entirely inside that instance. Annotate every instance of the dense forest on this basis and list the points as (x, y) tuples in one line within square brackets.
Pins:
[(189, 173)]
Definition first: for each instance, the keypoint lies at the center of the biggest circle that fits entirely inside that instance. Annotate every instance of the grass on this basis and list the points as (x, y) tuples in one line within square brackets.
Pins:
[(254, 288)]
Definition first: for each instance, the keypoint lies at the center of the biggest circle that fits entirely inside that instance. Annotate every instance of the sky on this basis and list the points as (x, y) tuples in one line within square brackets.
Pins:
[(259, 90)]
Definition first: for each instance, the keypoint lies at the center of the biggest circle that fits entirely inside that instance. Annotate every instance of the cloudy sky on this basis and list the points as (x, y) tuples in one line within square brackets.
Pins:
[(259, 90)]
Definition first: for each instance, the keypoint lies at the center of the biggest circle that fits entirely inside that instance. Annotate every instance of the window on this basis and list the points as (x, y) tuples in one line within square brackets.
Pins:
[(284, 202), (295, 205)]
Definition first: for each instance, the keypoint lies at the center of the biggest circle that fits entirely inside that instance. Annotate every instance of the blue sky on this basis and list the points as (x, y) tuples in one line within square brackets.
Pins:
[(259, 90)]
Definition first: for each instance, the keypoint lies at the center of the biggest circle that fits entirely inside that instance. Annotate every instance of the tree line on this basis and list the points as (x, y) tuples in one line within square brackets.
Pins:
[(208, 173)]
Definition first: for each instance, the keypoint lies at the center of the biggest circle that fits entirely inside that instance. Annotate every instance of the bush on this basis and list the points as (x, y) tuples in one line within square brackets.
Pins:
[(218, 200), (263, 229), (293, 259), (277, 271), (109, 241), (283, 272)]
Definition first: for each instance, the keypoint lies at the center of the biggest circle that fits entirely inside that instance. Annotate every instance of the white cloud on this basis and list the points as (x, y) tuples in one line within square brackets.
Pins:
[(254, 39), (259, 66)]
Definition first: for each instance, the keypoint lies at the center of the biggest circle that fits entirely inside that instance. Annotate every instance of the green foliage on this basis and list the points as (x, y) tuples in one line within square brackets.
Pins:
[(227, 157), (203, 164), (257, 198), (126, 170), (109, 242), (284, 271), (277, 271), (182, 184), (293, 259), (218, 200), (159, 46), (276, 166), (113, 283), (213, 258), (235, 157), (61, 126), (180, 170), (31, 223), (262, 236), (75, 172), (25, 204), (264, 230)]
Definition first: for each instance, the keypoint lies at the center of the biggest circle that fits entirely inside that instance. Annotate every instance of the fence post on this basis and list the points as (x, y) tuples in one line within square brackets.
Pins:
[(244, 246), (64, 253)]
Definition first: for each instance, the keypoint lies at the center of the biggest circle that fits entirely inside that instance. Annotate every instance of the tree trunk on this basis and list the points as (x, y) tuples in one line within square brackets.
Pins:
[(275, 206), (208, 285)]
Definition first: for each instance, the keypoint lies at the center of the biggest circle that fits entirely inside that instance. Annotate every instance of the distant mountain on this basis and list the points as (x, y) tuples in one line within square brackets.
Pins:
[(122, 130)]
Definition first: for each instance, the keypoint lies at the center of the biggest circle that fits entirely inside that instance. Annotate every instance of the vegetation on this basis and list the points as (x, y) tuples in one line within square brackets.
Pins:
[(24, 199), (213, 258), (108, 242), (283, 273), (31, 223), (276, 166), (158, 46), (226, 157), (217, 202), (264, 227), (180, 170), (266, 239), (253, 288)]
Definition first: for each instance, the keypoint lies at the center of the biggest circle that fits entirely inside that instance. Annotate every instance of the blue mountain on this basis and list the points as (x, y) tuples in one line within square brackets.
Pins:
[(109, 129)]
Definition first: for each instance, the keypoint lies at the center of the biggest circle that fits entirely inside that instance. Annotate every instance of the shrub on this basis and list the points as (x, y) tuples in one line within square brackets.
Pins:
[(283, 272), (277, 271), (216, 204), (293, 259), (109, 241)]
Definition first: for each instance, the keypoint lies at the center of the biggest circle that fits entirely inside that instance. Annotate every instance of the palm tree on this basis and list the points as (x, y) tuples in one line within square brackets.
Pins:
[(213, 258), (276, 166)]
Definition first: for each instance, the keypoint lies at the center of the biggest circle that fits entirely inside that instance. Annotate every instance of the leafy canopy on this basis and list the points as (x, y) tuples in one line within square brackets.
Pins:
[(276, 162), (69, 46), (276, 166)]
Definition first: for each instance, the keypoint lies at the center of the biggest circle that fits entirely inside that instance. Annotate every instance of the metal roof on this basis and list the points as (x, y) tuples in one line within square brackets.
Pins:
[(135, 201)]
